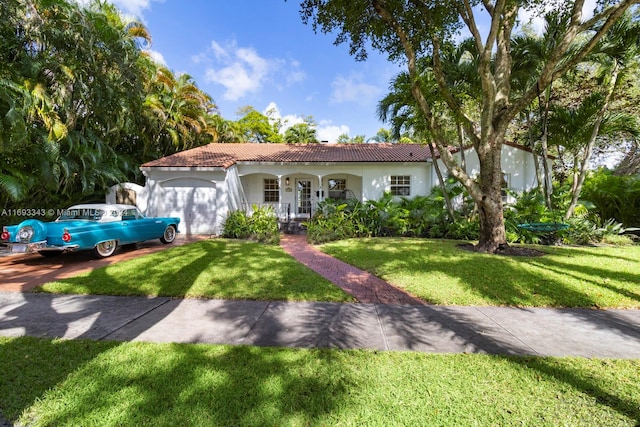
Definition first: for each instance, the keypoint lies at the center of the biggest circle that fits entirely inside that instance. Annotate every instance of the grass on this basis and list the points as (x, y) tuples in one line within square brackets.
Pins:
[(55, 382), (440, 273), (217, 268)]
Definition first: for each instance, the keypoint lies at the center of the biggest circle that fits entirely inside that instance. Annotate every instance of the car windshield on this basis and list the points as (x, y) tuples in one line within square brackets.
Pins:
[(82, 213)]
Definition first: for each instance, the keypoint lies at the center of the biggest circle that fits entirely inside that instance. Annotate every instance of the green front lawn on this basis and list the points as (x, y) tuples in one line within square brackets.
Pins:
[(440, 273), (434, 270), (218, 268), (73, 383)]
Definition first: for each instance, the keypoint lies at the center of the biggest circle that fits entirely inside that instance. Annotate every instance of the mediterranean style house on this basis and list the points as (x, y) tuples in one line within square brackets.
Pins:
[(204, 184)]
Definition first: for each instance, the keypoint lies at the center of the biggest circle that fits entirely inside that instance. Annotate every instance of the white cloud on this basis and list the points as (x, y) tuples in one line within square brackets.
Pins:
[(273, 112), (330, 132), (353, 89), (327, 131), (134, 7), (241, 71), (295, 74), (157, 57)]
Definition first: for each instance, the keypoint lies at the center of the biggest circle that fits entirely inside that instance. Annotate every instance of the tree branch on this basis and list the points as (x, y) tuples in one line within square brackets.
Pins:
[(552, 66), (433, 125)]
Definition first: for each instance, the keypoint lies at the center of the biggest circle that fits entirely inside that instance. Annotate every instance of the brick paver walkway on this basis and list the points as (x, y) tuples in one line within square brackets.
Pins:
[(365, 287)]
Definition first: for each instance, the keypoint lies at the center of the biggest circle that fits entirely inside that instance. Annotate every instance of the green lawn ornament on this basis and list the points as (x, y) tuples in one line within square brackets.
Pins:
[(546, 230)]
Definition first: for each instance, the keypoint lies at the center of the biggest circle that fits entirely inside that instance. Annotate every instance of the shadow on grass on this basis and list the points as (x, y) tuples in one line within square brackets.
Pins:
[(106, 383), (596, 276), (101, 383), (598, 388), (210, 269), (498, 280), (112, 383)]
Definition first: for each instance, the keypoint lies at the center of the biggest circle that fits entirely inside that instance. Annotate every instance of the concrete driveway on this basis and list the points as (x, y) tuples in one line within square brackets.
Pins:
[(23, 272)]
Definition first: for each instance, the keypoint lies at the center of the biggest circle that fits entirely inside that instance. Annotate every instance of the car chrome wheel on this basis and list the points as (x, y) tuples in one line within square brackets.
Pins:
[(169, 234), (105, 249)]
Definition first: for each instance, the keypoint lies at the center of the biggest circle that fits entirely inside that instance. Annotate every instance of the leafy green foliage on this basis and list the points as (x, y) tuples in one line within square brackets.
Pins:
[(614, 197), (261, 225), (422, 216), (301, 133), (256, 127), (425, 216), (81, 104)]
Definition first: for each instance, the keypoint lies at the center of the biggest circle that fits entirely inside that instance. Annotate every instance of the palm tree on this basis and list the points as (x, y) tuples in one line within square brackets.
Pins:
[(616, 55), (180, 110), (301, 132)]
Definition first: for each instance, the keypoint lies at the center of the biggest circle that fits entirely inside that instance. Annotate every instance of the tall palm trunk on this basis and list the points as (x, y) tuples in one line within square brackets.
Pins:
[(545, 104), (436, 167), (463, 161), (579, 178)]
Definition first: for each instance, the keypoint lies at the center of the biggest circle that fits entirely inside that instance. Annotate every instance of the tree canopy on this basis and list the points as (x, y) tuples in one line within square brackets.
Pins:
[(82, 104), (425, 31)]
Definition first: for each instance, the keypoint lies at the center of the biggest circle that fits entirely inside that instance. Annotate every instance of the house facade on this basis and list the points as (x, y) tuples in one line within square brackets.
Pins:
[(203, 185)]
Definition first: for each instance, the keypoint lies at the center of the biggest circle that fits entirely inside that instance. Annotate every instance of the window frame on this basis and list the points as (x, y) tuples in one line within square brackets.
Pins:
[(340, 185), (400, 185), (271, 190)]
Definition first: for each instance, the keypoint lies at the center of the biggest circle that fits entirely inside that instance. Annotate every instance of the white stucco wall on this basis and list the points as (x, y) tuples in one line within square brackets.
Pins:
[(365, 180), (516, 163)]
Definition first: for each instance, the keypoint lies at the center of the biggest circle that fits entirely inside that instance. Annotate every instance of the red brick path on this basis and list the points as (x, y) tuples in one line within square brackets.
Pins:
[(365, 287)]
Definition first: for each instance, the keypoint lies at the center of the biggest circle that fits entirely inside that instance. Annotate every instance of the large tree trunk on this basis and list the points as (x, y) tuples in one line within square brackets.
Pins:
[(492, 231), (463, 160)]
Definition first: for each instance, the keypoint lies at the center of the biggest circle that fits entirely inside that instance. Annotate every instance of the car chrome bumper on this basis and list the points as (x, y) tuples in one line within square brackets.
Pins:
[(27, 248)]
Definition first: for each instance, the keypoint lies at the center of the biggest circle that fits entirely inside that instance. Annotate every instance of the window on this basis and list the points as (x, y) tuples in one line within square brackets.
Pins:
[(336, 188), (271, 191), (400, 185), (129, 214)]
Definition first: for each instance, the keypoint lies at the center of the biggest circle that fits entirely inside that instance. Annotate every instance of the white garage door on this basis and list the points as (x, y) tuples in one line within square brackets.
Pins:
[(193, 201)]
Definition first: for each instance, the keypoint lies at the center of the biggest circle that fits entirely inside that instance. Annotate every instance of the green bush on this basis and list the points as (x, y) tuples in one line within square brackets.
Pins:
[(337, 220), (614, 197), (417, 217), (260, 225), (237, 226), (425, 216)]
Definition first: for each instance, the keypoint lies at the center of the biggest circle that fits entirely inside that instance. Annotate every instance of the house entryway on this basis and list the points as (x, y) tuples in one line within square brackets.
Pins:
[(303, 197)]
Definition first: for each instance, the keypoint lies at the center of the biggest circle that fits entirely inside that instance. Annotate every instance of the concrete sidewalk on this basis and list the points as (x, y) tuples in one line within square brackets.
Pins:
[(438, 329)]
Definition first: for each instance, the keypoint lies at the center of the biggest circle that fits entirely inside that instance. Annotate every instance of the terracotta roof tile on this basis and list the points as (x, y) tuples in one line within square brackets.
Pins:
[(225, 155)]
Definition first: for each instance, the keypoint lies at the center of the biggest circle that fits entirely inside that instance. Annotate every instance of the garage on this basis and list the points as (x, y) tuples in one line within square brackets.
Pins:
[(193, 200)]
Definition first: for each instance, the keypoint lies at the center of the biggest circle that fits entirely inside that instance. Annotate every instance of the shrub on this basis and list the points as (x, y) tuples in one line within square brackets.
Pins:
[(614, 197), (260, 225), (420, 217), (237, 226)]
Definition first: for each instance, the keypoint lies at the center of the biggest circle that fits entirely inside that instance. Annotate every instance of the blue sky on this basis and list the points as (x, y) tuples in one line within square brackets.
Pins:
[(259, 53)]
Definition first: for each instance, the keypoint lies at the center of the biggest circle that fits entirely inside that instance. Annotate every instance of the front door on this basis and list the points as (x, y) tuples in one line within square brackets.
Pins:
[(303, 196)]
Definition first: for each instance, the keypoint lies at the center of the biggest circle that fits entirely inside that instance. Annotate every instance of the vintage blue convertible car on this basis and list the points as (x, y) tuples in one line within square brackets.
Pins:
[(97, 227)]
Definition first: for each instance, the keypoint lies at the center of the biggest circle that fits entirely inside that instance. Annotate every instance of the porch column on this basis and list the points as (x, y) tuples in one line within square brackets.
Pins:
[(279, 209), (320, 189)]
